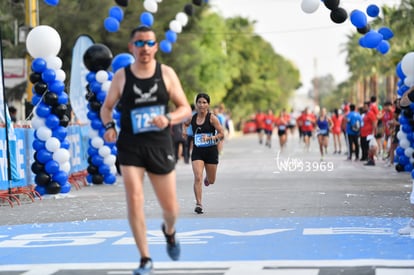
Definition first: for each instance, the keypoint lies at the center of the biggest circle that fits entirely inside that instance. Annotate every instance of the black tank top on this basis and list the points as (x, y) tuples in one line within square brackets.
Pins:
[(141, 100), (205, 128)]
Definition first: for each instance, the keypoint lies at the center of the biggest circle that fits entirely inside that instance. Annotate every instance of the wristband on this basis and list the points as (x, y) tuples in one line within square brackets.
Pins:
[(109, 125), (168, 116)]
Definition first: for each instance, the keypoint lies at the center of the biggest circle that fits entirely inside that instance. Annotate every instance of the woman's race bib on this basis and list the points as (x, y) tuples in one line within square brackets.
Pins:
[(200, 142), (323, 131), (282, 127), (142, 117)]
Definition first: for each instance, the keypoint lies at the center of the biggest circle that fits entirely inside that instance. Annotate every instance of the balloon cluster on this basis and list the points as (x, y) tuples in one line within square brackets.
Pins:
[(371, 39), (404, 154), (338, 14), (50, 118), (101, 155), (114, 19)]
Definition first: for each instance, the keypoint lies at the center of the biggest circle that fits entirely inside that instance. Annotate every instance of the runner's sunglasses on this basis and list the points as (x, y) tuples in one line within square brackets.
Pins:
[(141, 43)]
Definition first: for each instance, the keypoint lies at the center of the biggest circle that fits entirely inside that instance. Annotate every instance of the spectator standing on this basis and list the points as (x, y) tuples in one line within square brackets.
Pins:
[(353, 122), (337, 119), (369, 127)]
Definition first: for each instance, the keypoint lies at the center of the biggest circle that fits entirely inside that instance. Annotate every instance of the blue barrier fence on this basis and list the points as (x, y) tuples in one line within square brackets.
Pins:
[(77, 137)]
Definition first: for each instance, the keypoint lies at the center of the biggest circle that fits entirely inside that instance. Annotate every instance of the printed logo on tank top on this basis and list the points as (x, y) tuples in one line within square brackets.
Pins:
[(146, 96)]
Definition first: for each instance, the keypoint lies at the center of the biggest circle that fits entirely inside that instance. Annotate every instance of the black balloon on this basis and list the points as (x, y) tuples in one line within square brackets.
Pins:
[(37, 167), (51, 98), (364, 29), (189, 9), (90, 96), (331, 4), (64, 121), (97, 179), (35, 77), (42, 179), (40, 88), (97, 57), (197, 2), (95, 105), (60, 110), (339, 15), (53, 188), (122, 3), (399, 167), (93, 169)]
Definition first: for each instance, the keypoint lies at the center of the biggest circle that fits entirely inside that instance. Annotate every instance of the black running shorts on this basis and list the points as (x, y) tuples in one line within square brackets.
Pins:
[(154, 159), (207, 154)]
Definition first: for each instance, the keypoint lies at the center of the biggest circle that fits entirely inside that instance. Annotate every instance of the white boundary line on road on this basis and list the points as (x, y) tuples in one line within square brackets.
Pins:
[(230, 267)]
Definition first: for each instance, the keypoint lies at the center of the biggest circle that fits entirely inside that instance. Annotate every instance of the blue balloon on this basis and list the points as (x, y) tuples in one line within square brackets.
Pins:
[(166, 46), (100, 96), (399, 151), (399, 71), (90, 77), (65, 188), (60, 133), (96, 124), (97, 160), (57, 87), (383, 47), (48, 75), (52, 166), (95, 86), (65, 144), (111, 24), (52, 2), (40, 189), (147, 19), (122, 60), (386, 33), (408, 167), (110, 179), (171, 36), (104, 169), (52, 121), (92, 115), (358, 18), (404, 160), (372, 39), (43, 156), (36, 99), (39, 65), (373, 10), (38, 144), (43, 110), (117, 13), (63, 98), (60, 177), (92, 150)]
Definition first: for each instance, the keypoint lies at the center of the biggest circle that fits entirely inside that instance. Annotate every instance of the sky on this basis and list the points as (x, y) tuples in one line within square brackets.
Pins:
[(311, 41)]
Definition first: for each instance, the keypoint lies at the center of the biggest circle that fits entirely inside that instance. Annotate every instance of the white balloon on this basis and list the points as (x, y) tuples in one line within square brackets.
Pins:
[(175, 26), (43, 41), (401, 135), (405, 143), (93, 133), (151, 6), (43, 133), (53, 62), (52, 144), (110, 160), (408, 152), (60, 75), (106, 85), (113, 170), (407, 64), (101, 76), (97, 142), (65, 166), (409, 81), (310, 6), (37, 122), (182, 18), (61, 155), (104, 151)]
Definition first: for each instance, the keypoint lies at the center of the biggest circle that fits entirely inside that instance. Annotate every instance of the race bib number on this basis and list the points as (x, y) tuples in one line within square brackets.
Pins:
[(200, 142), (282, 127), (323, 131), (141, 118), (308, 123)]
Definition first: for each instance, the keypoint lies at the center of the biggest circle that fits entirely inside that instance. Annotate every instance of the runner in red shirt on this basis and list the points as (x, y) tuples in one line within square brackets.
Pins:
[(269, 123), (259, 119)]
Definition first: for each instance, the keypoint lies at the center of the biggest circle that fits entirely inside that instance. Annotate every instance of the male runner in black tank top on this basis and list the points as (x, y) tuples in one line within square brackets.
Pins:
[(144, 144)]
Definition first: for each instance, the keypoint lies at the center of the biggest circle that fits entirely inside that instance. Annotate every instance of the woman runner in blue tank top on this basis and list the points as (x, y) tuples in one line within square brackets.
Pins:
[(324, 124)]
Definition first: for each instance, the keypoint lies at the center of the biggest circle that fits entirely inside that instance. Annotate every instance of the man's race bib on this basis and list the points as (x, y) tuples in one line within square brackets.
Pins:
[(308, 123), (142, 117), (200, 142)]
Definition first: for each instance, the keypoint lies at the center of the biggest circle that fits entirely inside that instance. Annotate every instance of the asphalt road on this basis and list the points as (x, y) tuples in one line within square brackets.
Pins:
[(257, 189)]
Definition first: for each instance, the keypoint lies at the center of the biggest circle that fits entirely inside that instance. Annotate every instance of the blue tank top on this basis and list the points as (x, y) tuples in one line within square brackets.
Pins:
[(323, 125)]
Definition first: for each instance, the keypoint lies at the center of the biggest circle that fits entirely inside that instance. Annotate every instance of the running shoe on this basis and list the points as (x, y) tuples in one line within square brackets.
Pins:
[(173, 246), (206, 183), (145, 268), (408, 229), (198, 209)]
